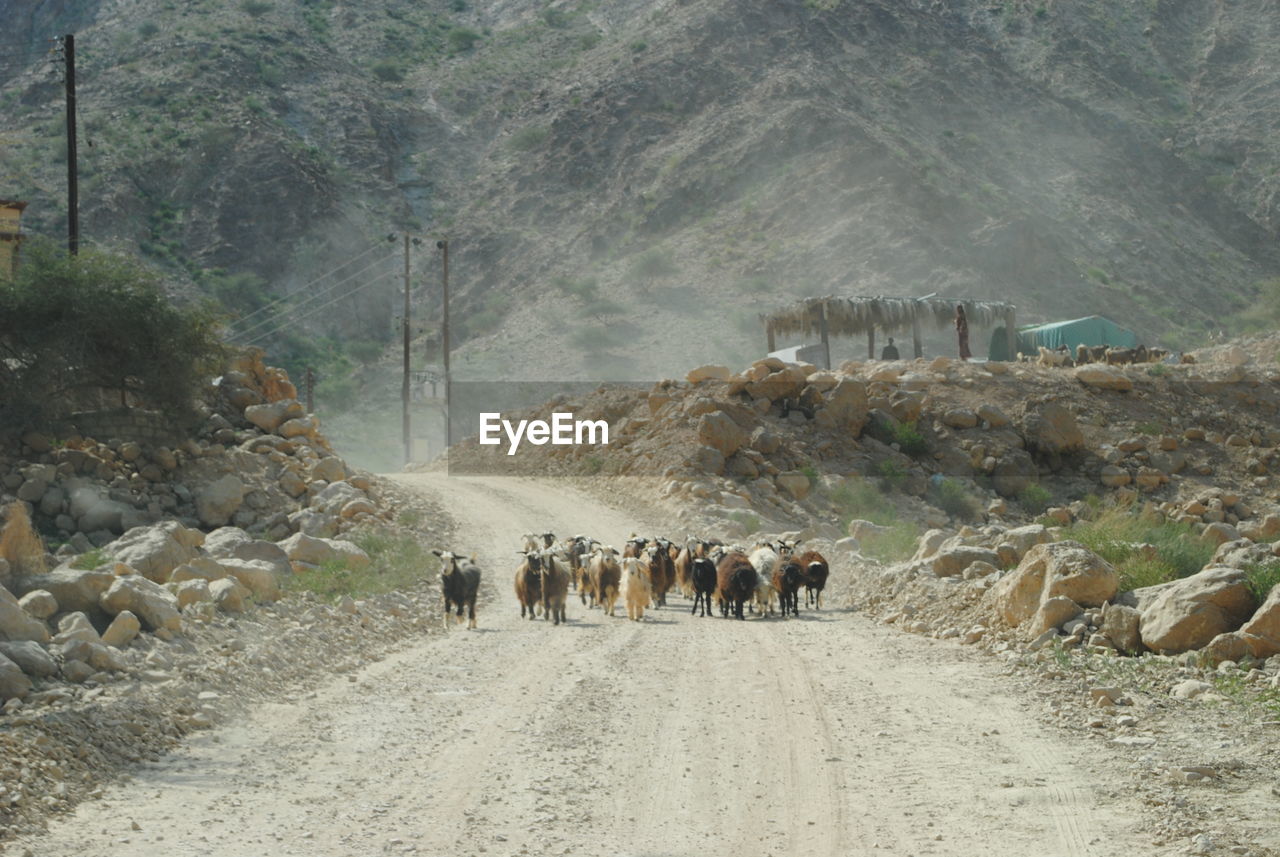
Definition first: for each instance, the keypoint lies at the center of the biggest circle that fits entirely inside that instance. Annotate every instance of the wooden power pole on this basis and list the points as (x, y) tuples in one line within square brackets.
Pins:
[(444, 339), (73, 190), (404, 389)]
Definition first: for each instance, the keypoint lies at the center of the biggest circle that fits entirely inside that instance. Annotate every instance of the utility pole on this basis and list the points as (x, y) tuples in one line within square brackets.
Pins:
[(404, 390), (311, 390), (444, 340), (73, 190)]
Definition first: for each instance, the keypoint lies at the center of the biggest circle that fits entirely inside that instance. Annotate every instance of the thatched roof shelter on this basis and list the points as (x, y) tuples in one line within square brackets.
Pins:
[(853, 315)]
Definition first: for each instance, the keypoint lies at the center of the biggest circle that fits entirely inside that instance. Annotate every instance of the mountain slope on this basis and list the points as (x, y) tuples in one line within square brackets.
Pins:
[(627, 184)]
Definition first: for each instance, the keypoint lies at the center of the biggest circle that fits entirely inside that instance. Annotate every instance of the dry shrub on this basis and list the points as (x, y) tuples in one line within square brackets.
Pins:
[(20, 545)]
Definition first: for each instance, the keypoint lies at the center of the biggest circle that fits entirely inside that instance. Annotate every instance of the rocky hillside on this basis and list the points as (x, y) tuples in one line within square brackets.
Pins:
[(618, 176)]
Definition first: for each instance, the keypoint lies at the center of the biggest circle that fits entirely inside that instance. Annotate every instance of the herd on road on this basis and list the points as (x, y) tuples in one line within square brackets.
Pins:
[(641, 576)]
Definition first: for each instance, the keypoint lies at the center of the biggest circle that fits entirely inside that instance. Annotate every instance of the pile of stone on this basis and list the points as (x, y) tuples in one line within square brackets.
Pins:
[(73, 622)]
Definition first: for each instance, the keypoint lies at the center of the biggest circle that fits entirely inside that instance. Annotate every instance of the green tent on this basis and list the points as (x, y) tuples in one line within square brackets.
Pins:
[(1093, 330)]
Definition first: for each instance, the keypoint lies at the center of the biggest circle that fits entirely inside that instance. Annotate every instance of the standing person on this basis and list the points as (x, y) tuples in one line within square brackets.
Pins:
[(962, 331), (890, 351)]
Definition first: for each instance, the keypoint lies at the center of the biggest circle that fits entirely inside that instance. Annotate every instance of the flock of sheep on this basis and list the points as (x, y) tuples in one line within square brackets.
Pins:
[(1062, 356), (642, 575)]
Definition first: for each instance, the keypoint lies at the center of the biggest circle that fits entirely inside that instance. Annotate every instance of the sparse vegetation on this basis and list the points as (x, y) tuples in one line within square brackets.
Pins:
[(89, 560), (397, 561), (750, 521), (951, 497), (909, 439), (1034, 498), (462, 39), (1144, 548), (20, 545), (1262, 579), (529, 138), (858, 499)]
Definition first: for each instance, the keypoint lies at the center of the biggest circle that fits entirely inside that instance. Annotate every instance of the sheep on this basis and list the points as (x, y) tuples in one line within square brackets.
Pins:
[(813, 566), (787, 579), (1050, 357), (459, 585), (603, 578), (764, 559), (735, 582), (702, 575), (529, 583), (661, 571), (1119, 356), (635, 587)]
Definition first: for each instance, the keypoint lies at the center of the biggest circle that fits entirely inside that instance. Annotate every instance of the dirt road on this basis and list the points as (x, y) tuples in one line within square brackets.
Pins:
[(826, 735)]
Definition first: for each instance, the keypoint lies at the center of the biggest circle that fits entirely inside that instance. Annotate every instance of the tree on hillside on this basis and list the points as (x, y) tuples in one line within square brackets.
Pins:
[(73, 328)]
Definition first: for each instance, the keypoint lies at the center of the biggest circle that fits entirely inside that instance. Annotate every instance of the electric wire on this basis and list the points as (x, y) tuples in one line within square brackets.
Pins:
[(305, 286)]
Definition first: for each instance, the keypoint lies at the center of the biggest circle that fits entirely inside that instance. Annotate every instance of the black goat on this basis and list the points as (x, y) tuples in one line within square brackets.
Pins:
[(459, 583), (702, 574)]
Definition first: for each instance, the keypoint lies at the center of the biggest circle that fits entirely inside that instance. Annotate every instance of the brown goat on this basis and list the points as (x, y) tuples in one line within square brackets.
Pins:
[(555, 587), (813, 566), (604, 578), (735, 583), (529, 584), (662, 572)]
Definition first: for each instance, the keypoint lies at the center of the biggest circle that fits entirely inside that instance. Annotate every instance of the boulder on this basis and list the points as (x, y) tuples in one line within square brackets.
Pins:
[(1114, 476), (305, 551), (1121, 625), (31, 657), (217, 501), (1052, 430), (1103, 377), (794, 483), (992, 416), (1220, 533), (708, 373), (76, 626), (1053, 613), (718, 431), (361, 506), (271, 415), (292, 484), (1242, 553), (306, 427), (1235, 646), (39, 604), (952, 561), (200, 568), (329, 469), (960, 418), (1014, 472), (260, 578), (77, 671), (74, 589), (1186, 614), (1265, 626), (331, 498), (155, 551), (194, 591), (122, 630), (845, 407), (14, 684), (149, 601), (708, 460), (929, 543), (1025, 538), (1067, 569), (229, 595), (785, 383), (314, 523), (235, 543), (16, 623)]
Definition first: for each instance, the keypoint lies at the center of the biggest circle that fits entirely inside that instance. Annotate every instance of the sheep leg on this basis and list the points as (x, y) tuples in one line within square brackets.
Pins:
[(471, 613)]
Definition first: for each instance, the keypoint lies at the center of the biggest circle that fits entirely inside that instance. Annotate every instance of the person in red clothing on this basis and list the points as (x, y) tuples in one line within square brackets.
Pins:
[(962, 331)]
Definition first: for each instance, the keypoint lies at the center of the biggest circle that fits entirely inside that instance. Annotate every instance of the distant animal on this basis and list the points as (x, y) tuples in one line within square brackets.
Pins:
[(702, 578), (529, 584), (735, 583), (764, 559), (1050, 357), (459, 584), (555, 586), (662, 572), (1119, 356), (787, 579), (636, 590), (813, 566), (604, 577)]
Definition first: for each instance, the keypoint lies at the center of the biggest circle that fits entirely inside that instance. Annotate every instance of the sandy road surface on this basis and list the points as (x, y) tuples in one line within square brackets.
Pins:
[(826, 735)]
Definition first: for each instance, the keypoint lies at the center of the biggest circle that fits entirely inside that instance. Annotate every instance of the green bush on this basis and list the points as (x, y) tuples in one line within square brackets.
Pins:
[(748, 520), (895, 545), (255, 8), (397, 561), (1262, 579), (951, 497), (89, 560), (891, 475), (652, 264), (73, 327), (1034, 498), (529, 138), (1144, 549), (462, 39), (388, 70), (909, 439)]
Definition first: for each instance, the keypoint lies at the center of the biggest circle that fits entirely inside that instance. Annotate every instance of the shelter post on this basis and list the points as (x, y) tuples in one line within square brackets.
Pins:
[(1011, 334), (822, 330), (871, 342), (917, 345), (768, 331)]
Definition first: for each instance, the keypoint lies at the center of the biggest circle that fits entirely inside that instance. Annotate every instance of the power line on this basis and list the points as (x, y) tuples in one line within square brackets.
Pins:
[(325, 305), (305, 286), (307, 298)]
